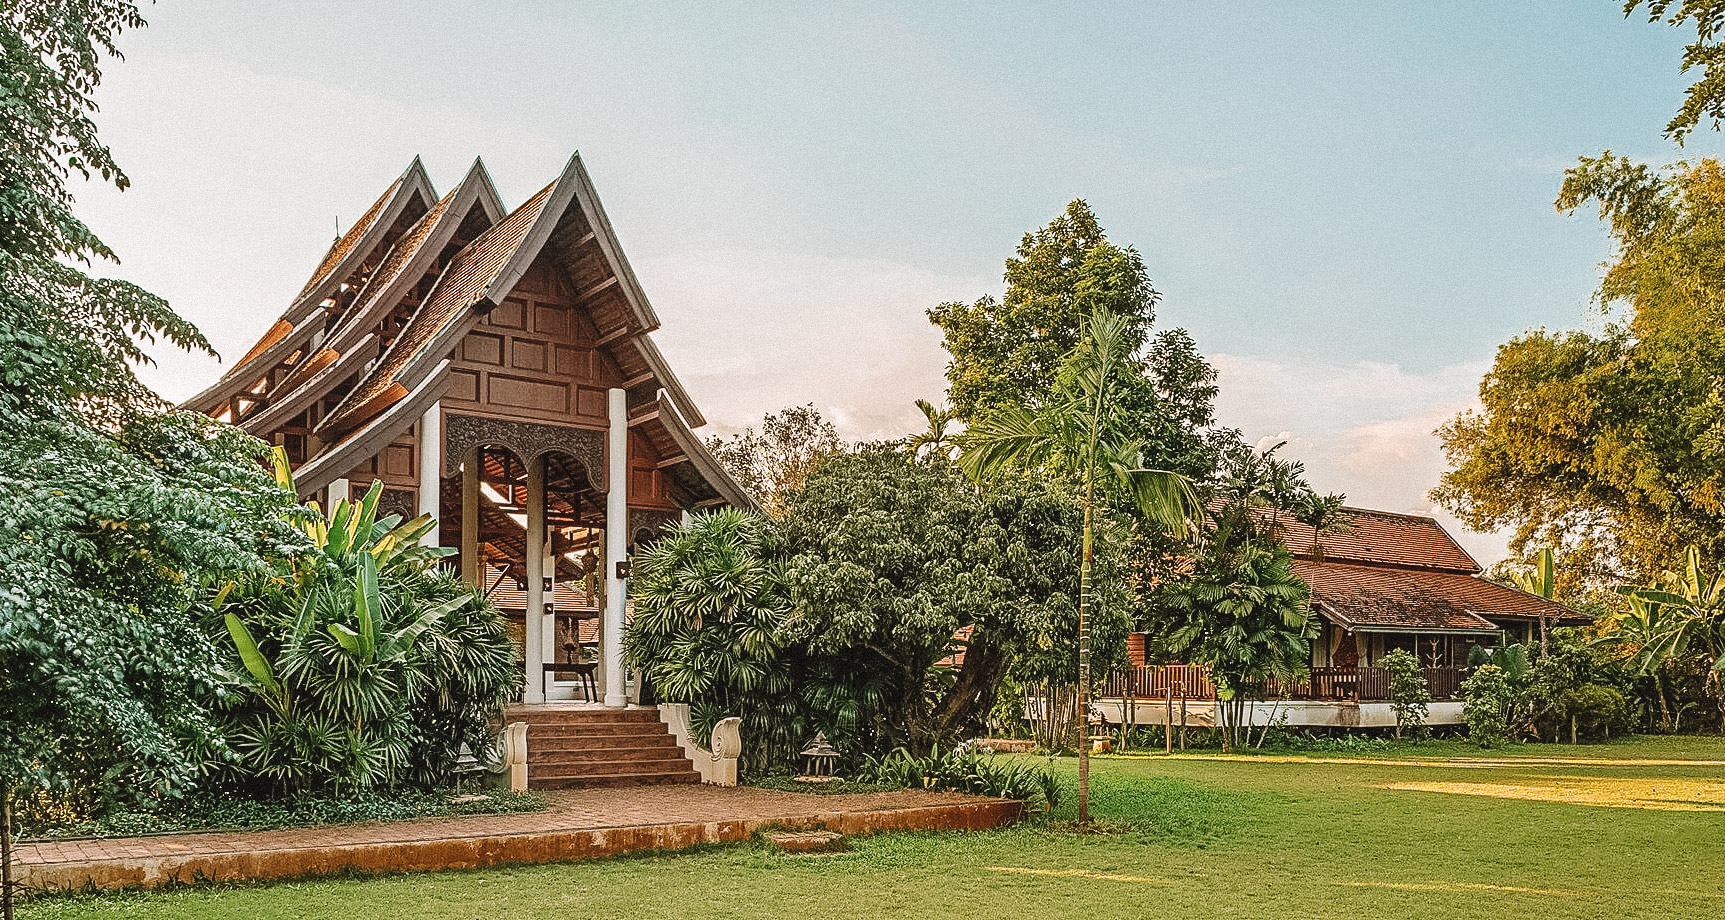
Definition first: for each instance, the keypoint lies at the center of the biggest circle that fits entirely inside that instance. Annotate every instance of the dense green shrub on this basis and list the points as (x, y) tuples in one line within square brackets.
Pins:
[(710, 609), (1589, 712), (1410, 696), (357, 663), (1489, 704), (219, 811)]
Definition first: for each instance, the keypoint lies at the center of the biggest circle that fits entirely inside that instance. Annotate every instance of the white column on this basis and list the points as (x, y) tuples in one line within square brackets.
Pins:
[(472, 569), (616, 547), (533, 618), (431, 469), (550, 650), (338, 489)]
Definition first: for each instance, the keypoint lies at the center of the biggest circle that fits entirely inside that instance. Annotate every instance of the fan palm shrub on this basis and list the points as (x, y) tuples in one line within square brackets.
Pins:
[(710, 605), (360, 662)]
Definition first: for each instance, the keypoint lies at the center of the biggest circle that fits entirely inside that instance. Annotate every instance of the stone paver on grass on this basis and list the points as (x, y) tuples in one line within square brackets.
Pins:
[(576, 824)]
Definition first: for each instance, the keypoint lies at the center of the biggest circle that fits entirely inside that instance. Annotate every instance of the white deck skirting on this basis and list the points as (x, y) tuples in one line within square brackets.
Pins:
[(1296, 713)]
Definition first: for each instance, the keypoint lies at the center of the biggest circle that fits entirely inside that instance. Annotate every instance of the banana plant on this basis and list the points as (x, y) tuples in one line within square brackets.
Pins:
[(1644, 631), (1692, 607), (364, 641), (1541, 581), (357, 647)]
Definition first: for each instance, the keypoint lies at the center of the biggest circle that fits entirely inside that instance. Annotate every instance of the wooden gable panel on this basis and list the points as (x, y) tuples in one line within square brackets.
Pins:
[(533, 357)]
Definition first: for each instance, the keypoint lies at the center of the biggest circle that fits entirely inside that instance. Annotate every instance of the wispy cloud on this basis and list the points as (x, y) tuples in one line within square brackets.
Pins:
[(753, 331), (1367, 428)]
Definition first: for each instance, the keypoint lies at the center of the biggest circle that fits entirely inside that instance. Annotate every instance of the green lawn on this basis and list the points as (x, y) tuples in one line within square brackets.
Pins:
[(1631, 829)]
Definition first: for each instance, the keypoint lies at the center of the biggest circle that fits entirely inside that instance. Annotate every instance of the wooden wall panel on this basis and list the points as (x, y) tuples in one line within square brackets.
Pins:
[(533, 358)]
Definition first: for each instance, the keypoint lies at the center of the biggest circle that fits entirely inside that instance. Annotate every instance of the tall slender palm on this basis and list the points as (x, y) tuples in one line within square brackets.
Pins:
[(1082, 431), (936, 438)]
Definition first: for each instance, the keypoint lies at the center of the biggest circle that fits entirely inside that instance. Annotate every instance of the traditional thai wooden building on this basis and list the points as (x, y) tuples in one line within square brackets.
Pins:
[(493, 368), (1383, 582)]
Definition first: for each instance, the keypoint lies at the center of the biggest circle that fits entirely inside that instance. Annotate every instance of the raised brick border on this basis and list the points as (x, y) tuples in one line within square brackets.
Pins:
[(579, 824)]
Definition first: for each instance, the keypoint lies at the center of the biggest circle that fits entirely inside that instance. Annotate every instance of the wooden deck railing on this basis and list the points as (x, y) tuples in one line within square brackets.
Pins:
[(1358, 684)]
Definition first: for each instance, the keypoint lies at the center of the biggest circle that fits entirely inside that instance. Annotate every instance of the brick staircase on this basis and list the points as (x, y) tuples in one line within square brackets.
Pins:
[(570, 748)]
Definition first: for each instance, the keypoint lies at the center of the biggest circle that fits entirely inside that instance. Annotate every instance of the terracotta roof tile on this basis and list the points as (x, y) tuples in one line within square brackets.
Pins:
[(464, 281), (276, 333), (1383, 538), (405, 248), (1389, 597), (345, 243)]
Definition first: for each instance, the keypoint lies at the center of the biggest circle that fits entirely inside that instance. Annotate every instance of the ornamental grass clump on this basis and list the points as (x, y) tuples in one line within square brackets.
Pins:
[(962, 769)]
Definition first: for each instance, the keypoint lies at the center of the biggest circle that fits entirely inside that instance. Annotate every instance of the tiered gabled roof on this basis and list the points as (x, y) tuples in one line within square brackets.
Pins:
[(368, 329), (293, 339), (1388, 572)]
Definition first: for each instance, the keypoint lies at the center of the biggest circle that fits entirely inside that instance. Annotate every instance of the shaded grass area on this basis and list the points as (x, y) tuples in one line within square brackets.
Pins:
[(1406, 834), (227, 813)]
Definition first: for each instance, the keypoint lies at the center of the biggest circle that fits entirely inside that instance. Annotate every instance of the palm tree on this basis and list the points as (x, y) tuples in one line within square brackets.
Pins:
[(936, 439), (1082, 431)]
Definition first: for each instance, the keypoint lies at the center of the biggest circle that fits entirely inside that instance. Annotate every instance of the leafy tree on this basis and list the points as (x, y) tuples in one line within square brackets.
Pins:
[(1410, 696), (888, 558), (1083, 432), (1705, 98), (778, 459), (1008, 352), (116, 514), (1610, 447)]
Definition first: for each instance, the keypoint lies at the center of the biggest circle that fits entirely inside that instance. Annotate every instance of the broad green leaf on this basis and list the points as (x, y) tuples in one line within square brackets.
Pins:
[(251, 657)]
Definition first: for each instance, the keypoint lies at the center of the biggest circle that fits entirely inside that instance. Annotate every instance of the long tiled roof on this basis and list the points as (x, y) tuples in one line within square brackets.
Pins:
[(405, 248), (1404, 572), (345, 243), (1381, 538), (1363, 596)]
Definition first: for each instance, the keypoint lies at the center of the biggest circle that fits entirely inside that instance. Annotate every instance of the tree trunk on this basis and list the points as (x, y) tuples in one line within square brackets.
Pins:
[(1168, 723), (1083, 713), (5, 850), (973, 694), (1664, 710), (1544, 644), (1224, 714)]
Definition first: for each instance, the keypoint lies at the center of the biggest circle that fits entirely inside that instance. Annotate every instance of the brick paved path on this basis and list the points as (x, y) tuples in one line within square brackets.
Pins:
[(577, 823)]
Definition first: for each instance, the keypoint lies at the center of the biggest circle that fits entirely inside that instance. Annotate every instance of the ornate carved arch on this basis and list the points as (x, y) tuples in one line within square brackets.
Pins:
[(527, 440)]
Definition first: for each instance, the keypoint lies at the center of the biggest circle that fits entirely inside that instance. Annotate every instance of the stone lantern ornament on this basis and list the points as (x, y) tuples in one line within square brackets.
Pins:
[(819, 761)]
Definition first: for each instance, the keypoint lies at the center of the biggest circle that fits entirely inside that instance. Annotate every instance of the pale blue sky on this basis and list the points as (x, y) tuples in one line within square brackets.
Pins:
[(1349, 205)]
